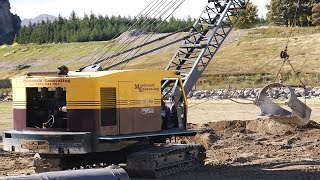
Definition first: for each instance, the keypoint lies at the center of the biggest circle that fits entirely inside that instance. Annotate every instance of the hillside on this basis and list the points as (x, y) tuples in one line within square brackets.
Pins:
[(238, 63), (38, 19)]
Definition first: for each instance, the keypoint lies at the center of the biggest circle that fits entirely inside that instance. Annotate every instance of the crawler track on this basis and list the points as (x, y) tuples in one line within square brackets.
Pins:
[(164, 160), (157, 161)]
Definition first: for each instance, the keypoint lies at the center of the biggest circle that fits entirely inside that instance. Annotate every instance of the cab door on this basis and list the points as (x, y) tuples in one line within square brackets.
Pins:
[(125, 109)]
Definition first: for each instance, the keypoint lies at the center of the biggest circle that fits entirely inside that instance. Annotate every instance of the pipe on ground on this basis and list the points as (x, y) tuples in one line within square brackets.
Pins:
[(109, 173)]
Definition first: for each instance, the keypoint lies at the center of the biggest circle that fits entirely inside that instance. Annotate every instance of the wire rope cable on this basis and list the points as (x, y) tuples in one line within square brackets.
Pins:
[(150, 36), (163, 11), (154, 2), (145, 24)]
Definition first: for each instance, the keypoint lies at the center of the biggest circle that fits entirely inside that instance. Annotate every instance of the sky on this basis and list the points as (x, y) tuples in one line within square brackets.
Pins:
[(33, 8)]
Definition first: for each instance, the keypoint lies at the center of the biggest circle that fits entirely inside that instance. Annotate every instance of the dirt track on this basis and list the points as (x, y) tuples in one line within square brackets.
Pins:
[(258, 149), (14, 164)]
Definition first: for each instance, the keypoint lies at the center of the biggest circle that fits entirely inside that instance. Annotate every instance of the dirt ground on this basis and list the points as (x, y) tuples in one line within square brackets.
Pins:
[(257, 149), (236, 149), (15, 164), (260, 149)]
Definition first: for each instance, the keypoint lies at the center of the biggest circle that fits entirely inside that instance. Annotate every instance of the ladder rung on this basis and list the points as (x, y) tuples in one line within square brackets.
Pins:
[(204, 40), (214, 1), (190, 60), (211, 12), (182, 71), (199, 46), (190, 52), (206, 24), (197, 50)]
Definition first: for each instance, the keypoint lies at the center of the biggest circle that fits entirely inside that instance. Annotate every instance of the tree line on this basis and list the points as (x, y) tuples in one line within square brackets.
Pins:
[(101, 28), (294, 12), (93, 28), (283, 12)]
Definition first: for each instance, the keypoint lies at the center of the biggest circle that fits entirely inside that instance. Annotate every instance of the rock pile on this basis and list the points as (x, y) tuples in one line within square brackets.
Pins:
[(247, 93), (251, 93)]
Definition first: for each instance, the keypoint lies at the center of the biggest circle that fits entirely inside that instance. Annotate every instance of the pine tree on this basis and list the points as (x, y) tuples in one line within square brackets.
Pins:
[(92, 28)]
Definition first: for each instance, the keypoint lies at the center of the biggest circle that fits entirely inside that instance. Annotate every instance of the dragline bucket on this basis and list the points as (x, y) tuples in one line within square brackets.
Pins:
[(299, 114)]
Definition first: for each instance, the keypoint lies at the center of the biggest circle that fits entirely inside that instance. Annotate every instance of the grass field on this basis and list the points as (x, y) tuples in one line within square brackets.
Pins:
[(199, 112), (6, 121), (244, 52)]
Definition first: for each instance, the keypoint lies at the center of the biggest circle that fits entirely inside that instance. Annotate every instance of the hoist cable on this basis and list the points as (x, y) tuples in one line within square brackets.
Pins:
[(141, 20), (295, 25), (150, 36), (297, 75), (145, 44), (115, 36), (256, 71), (148, 27), (156, 49), (163, 11), (279, 71), (145, 25)]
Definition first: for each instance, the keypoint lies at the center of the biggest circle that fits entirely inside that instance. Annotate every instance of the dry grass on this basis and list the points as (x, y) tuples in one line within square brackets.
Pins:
[(245, 51), (249, 54), (6, 120)]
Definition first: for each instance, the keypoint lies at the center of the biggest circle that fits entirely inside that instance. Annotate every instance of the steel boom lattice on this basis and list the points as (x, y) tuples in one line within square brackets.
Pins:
[(205, 38)]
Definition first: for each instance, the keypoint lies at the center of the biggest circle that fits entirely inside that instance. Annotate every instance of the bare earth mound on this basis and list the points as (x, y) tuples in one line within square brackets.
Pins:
[(257, 149), (260, 149)]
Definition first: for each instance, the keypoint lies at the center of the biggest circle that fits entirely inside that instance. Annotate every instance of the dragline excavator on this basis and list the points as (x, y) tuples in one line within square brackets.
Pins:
[(96, 115)]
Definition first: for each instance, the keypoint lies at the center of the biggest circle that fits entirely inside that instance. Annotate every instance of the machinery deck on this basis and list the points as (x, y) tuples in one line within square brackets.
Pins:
[(166, 133)]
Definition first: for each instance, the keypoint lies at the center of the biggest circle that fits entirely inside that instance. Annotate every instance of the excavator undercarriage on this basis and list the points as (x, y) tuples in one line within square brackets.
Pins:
[(152, 161), (165, 160)]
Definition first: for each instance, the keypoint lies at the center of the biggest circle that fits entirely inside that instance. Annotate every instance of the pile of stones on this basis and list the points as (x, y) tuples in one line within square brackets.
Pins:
[(252, 93)]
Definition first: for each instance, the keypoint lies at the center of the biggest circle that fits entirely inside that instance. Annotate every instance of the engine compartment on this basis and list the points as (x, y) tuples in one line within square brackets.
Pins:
[(46, 108)]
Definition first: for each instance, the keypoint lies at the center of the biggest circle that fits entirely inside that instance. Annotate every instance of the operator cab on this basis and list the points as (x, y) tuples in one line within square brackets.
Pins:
[(173, 105)]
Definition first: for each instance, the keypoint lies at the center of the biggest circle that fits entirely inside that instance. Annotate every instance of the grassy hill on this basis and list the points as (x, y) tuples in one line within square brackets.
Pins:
[(237, 64)]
